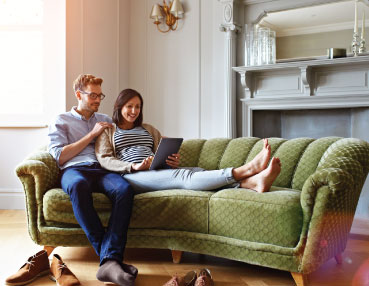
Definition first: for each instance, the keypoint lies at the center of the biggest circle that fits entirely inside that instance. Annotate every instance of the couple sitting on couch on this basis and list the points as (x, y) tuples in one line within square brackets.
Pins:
[(113, 165)]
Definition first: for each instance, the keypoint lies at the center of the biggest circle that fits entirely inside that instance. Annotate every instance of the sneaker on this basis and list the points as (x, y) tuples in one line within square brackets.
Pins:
[(36, 266)]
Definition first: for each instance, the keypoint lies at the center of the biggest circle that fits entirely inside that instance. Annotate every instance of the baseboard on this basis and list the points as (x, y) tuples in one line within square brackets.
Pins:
[(360, 225), (12, 199)]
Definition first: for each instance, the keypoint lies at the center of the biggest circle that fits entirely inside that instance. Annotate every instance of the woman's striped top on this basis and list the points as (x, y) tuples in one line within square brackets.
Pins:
[(133, 145)]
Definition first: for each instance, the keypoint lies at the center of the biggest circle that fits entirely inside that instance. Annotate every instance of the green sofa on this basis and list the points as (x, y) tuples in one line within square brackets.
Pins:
[(303, 221)]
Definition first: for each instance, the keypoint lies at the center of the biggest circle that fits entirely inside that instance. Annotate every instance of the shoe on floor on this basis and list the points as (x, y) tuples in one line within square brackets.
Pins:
[(188, 280), (204, 278), (36, 266), (61, 274)]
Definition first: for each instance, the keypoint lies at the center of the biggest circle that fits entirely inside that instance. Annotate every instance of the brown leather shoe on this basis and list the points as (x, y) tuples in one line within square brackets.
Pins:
[(204, 278), (188, 280), (36, 266), (61, 274)]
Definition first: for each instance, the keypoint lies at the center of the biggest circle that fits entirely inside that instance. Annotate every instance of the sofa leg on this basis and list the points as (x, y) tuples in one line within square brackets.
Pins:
[(177, 256), (338, 258), (300, 279), (49, 249)]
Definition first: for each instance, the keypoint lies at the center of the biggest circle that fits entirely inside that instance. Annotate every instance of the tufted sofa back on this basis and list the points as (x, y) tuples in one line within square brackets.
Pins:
[(300, 157)]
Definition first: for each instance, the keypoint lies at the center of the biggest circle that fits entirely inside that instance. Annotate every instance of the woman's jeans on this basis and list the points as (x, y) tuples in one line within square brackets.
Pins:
[(79, 182), (185, 178)]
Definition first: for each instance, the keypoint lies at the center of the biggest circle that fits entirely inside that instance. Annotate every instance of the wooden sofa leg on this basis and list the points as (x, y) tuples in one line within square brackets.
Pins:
[(338, 258), (177, 256), (300, 279), (49, 249)]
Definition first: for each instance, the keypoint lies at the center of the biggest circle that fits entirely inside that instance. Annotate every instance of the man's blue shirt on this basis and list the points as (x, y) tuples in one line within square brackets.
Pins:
[(69, 127)]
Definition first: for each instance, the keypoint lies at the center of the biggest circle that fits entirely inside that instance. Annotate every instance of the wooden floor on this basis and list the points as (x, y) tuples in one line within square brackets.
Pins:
[(155, 266)]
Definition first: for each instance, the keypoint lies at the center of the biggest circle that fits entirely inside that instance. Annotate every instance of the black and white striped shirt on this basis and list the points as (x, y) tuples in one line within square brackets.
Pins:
[(133, 145)]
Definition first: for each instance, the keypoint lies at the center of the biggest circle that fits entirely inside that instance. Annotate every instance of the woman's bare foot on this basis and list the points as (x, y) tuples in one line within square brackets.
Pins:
[(258, 164), (264, 180)]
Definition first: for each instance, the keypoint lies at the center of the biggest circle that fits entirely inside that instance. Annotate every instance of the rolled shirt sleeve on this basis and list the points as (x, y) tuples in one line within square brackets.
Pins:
[(57, 138)]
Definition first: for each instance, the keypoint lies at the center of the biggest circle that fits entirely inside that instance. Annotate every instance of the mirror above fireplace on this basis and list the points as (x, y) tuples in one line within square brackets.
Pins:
[(310, 31)]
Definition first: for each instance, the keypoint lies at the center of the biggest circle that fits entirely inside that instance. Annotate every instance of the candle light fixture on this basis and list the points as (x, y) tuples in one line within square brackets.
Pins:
[(355, 38), (172, 12), (362, 48)]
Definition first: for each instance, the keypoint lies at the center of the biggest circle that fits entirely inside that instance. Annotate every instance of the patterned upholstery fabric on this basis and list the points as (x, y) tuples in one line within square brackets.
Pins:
[(212, 152), (274, 217), (310, 159), (301, 223), (156, 210)]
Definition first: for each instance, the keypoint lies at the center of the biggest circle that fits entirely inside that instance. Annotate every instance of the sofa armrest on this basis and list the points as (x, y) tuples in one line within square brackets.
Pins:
[(328, 199), (37, 173)]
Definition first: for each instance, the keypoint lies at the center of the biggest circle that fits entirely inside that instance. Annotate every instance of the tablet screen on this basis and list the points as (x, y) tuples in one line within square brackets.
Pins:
[(167, 147)]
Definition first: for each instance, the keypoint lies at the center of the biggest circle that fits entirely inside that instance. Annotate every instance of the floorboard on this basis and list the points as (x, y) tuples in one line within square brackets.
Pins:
[(156, 267)]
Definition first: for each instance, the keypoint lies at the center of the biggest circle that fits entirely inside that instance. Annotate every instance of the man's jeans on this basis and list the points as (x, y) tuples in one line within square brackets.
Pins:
[(79, 182)]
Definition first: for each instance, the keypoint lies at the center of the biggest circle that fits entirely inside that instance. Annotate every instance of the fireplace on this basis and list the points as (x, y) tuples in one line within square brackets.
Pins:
[(313, 123)]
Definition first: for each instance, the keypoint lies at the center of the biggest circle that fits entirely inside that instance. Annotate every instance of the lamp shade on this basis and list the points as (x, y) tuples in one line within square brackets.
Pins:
[(156, 12), (176, 8)]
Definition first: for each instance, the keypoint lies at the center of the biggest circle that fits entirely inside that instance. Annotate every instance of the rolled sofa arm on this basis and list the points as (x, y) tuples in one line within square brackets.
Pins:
[(38, 173), (328, 199)]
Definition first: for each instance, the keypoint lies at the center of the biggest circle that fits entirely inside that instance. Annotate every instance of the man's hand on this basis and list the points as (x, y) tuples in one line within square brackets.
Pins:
[(99, 128), (173, 160), (71, 150), (144, 165)]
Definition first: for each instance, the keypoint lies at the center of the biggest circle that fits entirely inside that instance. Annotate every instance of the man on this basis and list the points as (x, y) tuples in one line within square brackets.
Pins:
[(72, 139)]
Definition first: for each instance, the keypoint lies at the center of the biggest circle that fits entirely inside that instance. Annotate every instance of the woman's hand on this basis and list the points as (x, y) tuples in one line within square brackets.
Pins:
[(173, 160), (144, 165)]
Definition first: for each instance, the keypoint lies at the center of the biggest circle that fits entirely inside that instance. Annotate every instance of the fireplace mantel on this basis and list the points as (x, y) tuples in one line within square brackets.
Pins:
[(315, 84)]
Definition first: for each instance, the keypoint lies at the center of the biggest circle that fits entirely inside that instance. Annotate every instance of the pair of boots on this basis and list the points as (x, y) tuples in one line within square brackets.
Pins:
[(38, 265)]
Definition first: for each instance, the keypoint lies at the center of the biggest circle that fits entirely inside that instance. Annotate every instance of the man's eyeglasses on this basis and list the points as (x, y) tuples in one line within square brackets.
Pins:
[(93, 95)]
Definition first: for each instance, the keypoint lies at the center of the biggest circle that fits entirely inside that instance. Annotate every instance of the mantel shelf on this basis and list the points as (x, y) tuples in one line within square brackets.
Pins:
[(303, 64)]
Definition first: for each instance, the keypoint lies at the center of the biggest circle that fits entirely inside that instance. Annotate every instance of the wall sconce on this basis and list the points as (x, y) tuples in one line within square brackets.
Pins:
[(172, 12)]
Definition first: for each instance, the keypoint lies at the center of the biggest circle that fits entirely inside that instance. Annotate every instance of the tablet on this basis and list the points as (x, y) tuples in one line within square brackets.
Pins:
[(167, 147)]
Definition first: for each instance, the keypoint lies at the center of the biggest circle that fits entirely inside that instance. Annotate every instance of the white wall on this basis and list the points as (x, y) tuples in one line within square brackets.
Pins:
[(180, 73), (97, 43)]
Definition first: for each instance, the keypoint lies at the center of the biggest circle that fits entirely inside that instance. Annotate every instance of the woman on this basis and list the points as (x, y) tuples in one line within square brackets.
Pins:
[(129, 147)]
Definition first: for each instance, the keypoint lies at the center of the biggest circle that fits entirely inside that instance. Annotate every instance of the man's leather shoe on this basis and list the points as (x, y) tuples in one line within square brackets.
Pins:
[(61, 274), (187, 280), (36, 266), (204, 278)]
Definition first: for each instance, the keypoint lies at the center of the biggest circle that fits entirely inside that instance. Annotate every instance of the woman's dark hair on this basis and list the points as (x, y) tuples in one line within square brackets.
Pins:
[(123, 97)]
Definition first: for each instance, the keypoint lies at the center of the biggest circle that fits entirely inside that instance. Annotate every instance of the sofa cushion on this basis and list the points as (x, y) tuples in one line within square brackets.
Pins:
[(170, 209), (290, 153), (212, 152), (237, 151), (273, 217), (185, 210), (58, 210), (310, 159)]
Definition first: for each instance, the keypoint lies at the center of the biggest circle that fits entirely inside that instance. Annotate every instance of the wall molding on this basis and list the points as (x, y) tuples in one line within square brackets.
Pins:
[(12, 199)]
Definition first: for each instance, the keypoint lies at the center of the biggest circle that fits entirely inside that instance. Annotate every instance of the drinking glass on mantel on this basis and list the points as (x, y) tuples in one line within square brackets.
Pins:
[(248, 34), (272, 47), (260, 45), (263, 46)]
